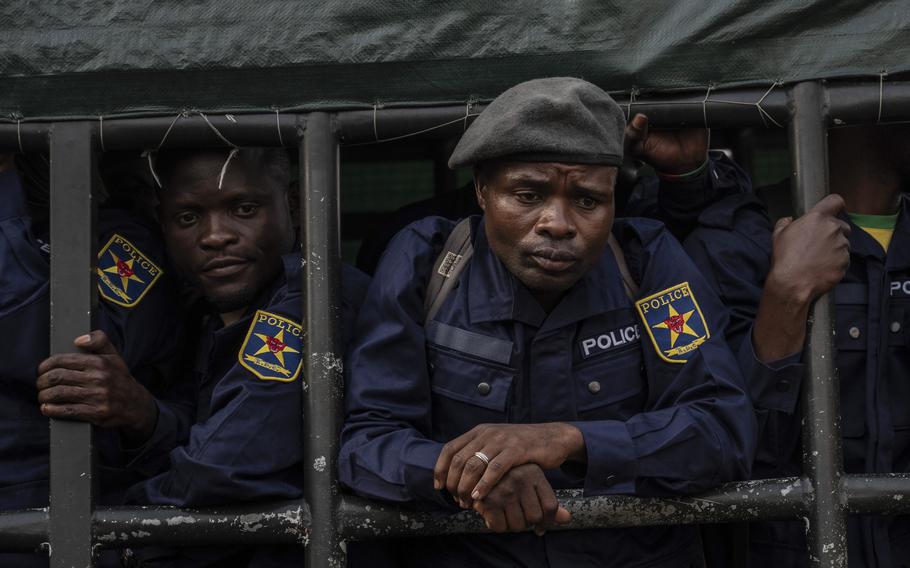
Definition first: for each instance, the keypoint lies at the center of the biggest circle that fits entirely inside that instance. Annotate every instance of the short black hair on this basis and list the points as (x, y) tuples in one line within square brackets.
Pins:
[(272, 162)]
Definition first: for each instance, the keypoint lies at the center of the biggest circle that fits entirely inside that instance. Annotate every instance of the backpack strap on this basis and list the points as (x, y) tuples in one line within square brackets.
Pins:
[(627, 281), (448, 267)]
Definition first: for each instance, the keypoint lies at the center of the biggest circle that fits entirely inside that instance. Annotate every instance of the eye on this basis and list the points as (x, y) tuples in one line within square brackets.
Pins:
[(186, 218), (586, 202), (527, 197), (246, 209)]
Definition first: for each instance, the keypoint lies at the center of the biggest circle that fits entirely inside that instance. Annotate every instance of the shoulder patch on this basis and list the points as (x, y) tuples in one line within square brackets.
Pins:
[(674, 322), (125, 274), (272, 348)]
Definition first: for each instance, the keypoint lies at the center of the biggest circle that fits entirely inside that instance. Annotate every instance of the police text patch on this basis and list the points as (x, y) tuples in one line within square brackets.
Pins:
[(609, 340), (272, 348), (900, 289), (125, 275), (674, 322)]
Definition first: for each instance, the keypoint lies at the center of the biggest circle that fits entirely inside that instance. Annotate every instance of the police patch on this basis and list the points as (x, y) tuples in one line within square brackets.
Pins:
[(272, 348), (674, 322), (125, 275)]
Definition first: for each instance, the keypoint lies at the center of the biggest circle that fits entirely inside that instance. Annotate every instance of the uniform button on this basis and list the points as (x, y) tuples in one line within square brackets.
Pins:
[(895, 326), (783, 385), (484, 388), (594, 387), (854, 332)]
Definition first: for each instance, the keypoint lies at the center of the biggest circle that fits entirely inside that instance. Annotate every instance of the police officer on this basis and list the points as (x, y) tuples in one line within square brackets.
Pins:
[(864, 225), (232, 238), (137, 315), (544, 368)]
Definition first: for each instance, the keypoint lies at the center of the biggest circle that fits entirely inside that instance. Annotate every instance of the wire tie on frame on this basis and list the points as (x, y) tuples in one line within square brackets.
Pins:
[(375, 125), (762, 112), (881, 92), (704, 104), (19, 134), (216, 131), (632, 93), (278, 128), (224, 168), (467, 112)]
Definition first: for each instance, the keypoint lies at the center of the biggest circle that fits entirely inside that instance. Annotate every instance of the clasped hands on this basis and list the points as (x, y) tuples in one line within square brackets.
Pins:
[(510, 492)]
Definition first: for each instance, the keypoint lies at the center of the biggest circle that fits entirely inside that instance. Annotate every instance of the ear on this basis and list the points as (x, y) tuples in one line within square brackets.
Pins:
[(480, 190)]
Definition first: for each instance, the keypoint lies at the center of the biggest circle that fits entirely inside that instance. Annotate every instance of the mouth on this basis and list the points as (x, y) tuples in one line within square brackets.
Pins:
[(553, 260), (224, 266)]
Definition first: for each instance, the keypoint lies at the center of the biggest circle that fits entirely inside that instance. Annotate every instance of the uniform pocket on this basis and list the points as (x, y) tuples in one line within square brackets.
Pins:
[(610, 387), (466, 391), (851, 339), (897, 362)]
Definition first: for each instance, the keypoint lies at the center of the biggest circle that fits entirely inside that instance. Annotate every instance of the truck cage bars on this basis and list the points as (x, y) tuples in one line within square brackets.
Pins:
[(71, 529)]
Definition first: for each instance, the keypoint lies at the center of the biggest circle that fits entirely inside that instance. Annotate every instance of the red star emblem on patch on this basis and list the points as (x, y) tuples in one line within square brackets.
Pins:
[(275, 344)]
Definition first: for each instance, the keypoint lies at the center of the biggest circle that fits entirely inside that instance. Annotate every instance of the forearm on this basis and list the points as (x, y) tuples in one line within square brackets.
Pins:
[(780, 325)]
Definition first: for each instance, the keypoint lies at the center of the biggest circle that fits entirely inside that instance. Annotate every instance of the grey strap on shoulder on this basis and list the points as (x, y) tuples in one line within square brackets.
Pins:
[(448, 268), (627, 281)]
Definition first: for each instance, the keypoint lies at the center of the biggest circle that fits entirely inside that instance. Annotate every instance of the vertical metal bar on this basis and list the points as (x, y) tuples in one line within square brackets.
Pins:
[(323, 389), (73, 297), (822, 463)]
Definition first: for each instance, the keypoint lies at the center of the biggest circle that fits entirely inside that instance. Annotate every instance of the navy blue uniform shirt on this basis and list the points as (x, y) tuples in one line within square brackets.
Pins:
[(142, 324), (872, 313), (247, 440), (651, 427)]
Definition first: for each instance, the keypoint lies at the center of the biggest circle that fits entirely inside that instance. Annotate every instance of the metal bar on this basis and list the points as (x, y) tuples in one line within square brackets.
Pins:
[(822, 463), (288, 522), (23, 530), (323, 385), (72, 300), (271, 523), (849, 103), (744, 501), (881, 494)]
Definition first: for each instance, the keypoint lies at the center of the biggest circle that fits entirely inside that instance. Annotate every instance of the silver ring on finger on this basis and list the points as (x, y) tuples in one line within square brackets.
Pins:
[(482, 457)]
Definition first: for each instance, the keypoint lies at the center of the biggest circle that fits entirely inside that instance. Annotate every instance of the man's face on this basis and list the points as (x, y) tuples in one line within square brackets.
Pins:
[(547, 222), (227, 242)]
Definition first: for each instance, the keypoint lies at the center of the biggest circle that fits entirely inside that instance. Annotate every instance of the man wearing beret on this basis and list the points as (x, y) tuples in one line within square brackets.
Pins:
[(569, 351)]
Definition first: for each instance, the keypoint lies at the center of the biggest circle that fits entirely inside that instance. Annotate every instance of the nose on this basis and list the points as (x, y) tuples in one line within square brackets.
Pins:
[(556, 221), (217, 233)]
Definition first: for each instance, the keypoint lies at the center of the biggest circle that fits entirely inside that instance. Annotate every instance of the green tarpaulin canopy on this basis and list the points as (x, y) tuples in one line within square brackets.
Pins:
[(91, 57)]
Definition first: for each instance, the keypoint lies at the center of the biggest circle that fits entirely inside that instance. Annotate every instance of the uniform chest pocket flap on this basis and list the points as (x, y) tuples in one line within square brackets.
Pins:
[(612, 383), (469, 367), (852, 316)]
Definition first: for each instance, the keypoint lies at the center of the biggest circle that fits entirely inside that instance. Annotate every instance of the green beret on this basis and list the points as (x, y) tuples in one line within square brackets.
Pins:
[(557, 119)]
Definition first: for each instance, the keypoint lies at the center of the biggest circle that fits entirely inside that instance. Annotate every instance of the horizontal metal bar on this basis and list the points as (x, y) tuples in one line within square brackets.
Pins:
[(848, 103), (248, 524), (189, 131), (743, 501), (23, 530), (288, 522), (882, 494)]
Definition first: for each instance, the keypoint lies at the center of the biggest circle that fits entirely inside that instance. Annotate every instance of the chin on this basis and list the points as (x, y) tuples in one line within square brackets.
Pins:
[(231, 300)]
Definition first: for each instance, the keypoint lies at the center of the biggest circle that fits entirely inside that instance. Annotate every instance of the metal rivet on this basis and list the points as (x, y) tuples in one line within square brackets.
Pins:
[(854, 332), (594, 387), (783, 385), (484, 388), (895, 326)]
